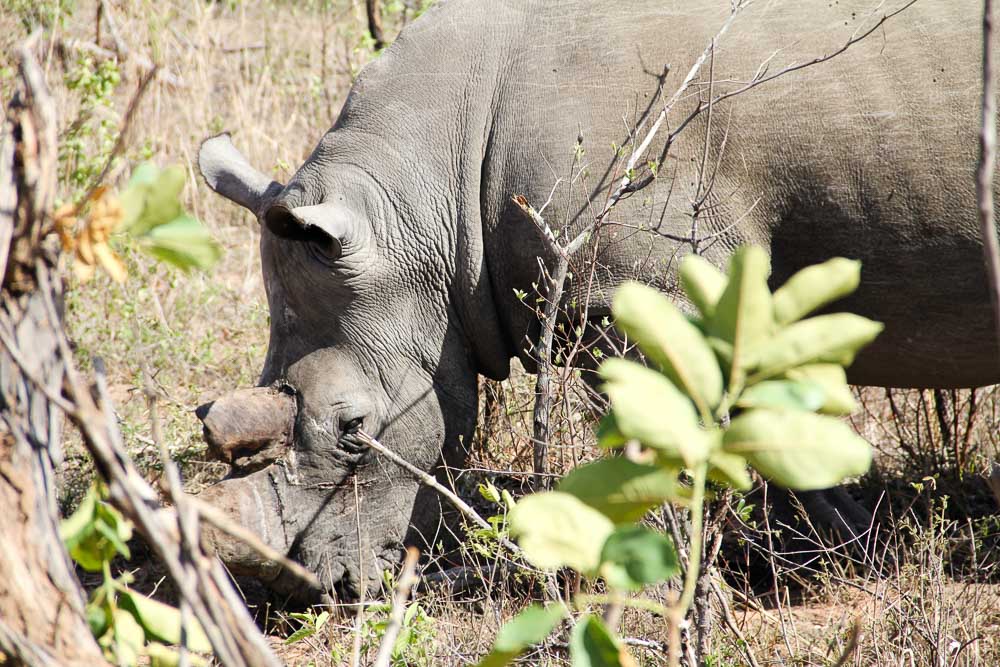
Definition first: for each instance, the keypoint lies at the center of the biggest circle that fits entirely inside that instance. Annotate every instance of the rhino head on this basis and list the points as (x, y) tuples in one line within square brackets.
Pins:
[(374, 329)]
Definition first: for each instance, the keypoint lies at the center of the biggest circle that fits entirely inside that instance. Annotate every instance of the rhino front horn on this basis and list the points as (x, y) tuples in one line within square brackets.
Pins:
[(249, 428)]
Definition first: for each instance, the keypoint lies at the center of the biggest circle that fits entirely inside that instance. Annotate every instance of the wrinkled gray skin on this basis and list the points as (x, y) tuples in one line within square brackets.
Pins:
[(392, 257)]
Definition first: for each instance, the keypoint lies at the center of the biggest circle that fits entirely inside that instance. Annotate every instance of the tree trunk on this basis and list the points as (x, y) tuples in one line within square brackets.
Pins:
[(41, 602)]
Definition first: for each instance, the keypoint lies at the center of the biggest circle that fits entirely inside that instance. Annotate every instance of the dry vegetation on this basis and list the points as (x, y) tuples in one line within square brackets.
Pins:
[(274, 74)]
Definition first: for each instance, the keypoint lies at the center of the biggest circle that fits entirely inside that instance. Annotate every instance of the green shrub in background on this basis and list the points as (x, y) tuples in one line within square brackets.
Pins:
[(750, 355)]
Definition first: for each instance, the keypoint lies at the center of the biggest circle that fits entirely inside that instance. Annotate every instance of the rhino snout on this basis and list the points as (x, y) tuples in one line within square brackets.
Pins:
[(252, 503), (249, 428)]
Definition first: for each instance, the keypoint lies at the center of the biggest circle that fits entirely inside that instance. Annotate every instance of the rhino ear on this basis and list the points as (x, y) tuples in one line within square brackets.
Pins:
[(227, 172), (326, 224)]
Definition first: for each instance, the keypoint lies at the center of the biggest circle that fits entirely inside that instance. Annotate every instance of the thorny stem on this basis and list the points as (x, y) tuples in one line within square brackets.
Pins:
[(679, 611)]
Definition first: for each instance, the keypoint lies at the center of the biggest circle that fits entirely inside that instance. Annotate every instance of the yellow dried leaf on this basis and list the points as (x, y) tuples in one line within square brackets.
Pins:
[(65, 223), (111, 263)]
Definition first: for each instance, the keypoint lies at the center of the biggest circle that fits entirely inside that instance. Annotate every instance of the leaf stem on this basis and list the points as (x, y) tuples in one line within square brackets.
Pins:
[(679, 611)]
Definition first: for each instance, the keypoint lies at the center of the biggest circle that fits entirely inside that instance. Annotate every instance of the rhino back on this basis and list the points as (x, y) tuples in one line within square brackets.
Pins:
[(869, 155)]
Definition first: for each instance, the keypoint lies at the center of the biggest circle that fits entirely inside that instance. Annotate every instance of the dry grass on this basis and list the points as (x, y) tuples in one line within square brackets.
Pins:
[(275, 74)]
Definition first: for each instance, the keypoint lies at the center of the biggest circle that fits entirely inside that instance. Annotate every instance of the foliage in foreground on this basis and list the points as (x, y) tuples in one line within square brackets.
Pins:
[(125, 623), (751, 356)]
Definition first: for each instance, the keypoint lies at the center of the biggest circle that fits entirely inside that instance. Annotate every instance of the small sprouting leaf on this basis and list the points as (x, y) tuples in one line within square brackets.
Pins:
[(838, 398), (183, 242), (703, 284), (798, 450), (591, 645), (814, 287), (558, 530), (163, 622), (528, 628), (667, 337), (649, 408), (76, 526), (620, 489), (832, 338), (489, 492), (783, 395), (634, 556), (743, 316), (305, 630)]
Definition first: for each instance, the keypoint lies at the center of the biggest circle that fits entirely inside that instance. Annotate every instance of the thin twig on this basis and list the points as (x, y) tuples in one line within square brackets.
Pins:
[(429, 480), (407, 578)]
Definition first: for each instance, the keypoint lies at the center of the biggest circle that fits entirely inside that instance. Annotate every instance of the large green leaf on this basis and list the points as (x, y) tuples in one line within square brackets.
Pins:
[(557, 530), (528, 628), (798, 450), (163, 622), (823, 339), (183, 242), (152, 198), (591, 645), (783, 395), (814, 287), (670, 340), (635, 556), (838, 398), (620, 489), (743, 316), (608, 433), (703, 284), (650, 409)]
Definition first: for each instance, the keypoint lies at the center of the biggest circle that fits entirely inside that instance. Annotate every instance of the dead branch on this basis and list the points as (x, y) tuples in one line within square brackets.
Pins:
[(374, 11)]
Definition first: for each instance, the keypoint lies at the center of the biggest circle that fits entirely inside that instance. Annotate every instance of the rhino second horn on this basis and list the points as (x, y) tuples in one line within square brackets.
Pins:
[(249, 428)]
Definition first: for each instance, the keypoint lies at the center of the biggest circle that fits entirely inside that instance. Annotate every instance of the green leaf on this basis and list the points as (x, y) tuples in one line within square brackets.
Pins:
[(798, 450), (635, 556), (703, 284), (814, 287), (163, 656), (163, 622), (608, 434), (649, 408), (591, 645), (183, 242), (667, 337), (557, 530), (76, 526), (838, 398), (620, 489), (111, 534), (528, 628), (305, 630), (152, 198), (129, 638), (729, 469), (823, 339), (743, 317), (784, 395)]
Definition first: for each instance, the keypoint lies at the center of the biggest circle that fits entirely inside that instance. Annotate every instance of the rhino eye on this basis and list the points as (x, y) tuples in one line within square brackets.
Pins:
[(351, 425)]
